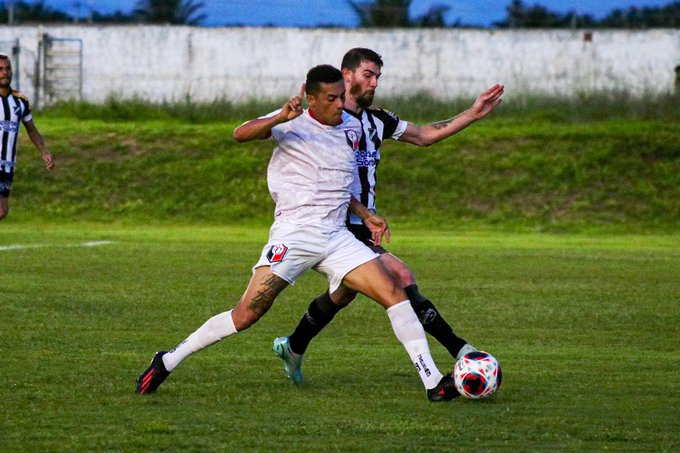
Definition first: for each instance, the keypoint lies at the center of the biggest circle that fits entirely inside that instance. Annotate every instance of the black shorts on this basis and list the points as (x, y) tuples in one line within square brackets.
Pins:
[(5, 183), (362, 233)]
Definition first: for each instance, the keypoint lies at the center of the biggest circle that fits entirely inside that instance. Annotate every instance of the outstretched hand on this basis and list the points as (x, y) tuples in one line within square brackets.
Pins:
[(293, 108), (487, 101)]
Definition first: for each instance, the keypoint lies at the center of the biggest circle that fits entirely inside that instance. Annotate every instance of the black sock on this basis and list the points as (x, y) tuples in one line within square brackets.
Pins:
[(320, 312), (433, 322)]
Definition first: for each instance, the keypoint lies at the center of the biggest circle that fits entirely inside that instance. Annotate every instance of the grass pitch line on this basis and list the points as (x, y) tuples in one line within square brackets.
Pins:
[(4, 248)]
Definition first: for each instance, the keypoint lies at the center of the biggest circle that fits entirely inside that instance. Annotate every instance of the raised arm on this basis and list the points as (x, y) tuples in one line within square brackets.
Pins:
[(39, 143), (428, 134), (260, 128)]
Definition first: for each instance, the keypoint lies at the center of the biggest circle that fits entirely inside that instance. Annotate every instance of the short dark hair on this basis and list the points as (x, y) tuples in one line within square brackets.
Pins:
[(323, 73), (354, 57), (4, 56)]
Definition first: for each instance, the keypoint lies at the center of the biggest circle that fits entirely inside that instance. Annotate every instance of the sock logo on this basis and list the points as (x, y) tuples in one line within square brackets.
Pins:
[(309, 318), (175, 348), (424, 367), (276, 253), (428, 316)]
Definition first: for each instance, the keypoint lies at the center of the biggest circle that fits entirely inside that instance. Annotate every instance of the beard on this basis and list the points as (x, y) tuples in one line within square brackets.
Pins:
[(363, 99)]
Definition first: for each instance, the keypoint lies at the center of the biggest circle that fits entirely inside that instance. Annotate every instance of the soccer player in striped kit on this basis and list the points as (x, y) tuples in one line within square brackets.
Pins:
[(361, 70), (14, 111)]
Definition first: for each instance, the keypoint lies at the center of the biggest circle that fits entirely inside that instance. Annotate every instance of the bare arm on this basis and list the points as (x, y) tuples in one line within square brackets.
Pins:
[(39, 143), (376, 225), (260, 128), (428, 134)]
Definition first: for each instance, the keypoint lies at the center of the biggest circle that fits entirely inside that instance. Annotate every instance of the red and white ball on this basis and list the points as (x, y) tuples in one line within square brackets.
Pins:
[(477, 375)]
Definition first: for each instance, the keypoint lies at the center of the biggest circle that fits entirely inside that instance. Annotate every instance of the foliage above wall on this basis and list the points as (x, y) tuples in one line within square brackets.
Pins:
[(371, 13)]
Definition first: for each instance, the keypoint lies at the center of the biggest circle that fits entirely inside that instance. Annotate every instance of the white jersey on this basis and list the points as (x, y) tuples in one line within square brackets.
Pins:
[(14, 110), (311, 170)]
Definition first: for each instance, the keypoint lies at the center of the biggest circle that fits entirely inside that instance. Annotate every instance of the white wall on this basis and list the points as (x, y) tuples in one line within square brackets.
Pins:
[(170, 63)]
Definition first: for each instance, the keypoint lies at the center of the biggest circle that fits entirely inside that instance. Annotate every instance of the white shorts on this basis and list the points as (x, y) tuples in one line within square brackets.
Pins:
[(293, 249)]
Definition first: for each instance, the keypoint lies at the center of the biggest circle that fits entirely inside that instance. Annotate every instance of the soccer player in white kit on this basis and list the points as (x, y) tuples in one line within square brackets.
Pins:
[(310, 177)]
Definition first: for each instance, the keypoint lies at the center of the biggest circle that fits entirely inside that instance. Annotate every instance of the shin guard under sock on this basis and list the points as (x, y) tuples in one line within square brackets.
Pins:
[(411, 334), (214, 330)]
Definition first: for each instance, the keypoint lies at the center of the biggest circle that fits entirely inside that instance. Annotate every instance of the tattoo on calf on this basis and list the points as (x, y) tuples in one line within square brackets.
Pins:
[(265, 296)]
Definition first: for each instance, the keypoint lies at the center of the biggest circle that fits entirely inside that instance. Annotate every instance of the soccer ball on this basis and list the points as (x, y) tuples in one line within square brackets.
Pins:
[(477, 375)]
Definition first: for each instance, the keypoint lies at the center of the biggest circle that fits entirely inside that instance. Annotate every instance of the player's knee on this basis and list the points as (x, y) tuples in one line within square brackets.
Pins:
[(394, 290), (392, 293), (398, 270), (3, 212), (404, 277)]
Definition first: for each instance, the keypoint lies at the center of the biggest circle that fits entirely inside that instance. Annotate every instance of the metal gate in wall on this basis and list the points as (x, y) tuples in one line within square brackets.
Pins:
[(62, 75)]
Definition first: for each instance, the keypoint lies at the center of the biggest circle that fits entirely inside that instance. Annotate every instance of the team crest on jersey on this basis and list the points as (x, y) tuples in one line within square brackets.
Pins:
[(372, 133), (277, 253), (373, 137), (352, 139)]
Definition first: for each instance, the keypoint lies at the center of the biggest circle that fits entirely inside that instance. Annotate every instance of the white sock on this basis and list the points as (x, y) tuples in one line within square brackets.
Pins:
[(410, 332), (214, 329)]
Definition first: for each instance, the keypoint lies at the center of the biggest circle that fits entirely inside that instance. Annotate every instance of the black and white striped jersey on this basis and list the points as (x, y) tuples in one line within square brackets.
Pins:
[(377, 125), (13, 112)]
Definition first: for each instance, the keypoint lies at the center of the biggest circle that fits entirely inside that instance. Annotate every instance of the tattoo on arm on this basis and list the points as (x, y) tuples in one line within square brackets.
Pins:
[(264, 298), (442, 124)]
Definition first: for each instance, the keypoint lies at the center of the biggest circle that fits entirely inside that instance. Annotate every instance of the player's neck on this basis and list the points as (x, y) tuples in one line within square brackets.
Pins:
[(318, 119), (5, 91), (351, 105)]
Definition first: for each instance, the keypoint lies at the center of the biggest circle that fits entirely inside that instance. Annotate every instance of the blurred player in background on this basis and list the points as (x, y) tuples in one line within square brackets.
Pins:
[(310, 177), (361, 69), (14, 111)]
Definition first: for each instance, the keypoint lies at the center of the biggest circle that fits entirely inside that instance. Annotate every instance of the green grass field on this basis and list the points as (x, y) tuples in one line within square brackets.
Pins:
[(585, 327), (537, 171), (548, 234)]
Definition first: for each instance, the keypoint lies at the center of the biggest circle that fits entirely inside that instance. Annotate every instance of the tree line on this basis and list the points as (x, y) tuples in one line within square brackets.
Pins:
[(177, 12), (371, 13)]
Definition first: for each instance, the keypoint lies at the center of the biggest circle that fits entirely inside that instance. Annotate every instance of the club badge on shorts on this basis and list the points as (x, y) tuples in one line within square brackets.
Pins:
[(276, 253)]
